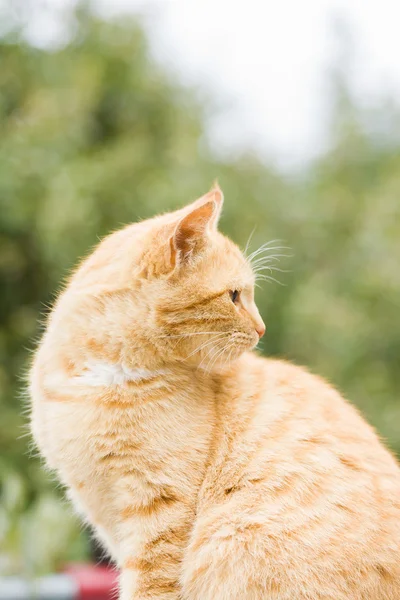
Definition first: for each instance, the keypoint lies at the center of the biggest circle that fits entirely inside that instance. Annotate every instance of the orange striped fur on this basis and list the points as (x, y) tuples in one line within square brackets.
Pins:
[(208, 472)]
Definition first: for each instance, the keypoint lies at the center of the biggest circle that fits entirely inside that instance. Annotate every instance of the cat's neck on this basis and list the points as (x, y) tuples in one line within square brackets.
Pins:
[(104, 373), (100, 372)]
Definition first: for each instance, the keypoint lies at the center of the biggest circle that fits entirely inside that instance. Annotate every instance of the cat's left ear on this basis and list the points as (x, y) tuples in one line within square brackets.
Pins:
[(214, 195), (191, 233)]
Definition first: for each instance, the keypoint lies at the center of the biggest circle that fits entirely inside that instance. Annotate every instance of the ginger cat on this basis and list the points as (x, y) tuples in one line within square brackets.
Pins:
[(208, 472)]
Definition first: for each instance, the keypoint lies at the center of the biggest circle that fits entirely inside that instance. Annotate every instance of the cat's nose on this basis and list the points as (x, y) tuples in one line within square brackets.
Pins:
[(260, 330)]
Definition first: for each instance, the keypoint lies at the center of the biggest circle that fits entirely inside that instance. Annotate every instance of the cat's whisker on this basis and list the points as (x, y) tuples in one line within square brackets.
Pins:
[(264, 268), (215, 348), (260, 263), (215, 357), (180, 335), (271, 268), (206, 343), (24, 435), (264, 263), (248, 241), (268, 249), (205, 356), (270, 257), (266, 244), (230, 354), (269, 278), (210, 352), (264, 257), (265, 248), (224, 358), (228, 345), (265, 253), (228, 359), (213, 334)]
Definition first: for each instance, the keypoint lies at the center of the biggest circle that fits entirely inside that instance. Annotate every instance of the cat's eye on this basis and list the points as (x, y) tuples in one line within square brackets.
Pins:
[(234, 294)]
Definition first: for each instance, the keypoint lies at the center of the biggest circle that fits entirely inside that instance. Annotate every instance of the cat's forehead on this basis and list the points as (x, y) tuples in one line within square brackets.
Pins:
[(227, 257), (229, 250)]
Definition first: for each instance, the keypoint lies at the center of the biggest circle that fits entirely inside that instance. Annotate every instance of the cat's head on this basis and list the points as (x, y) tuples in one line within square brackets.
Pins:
[(175, 285)]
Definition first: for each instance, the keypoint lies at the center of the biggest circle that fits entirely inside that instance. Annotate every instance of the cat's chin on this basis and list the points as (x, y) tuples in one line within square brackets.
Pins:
[(231, 354), (245, 344)]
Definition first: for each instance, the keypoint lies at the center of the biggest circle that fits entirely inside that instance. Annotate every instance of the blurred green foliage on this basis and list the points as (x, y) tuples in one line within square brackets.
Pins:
[(96, 134)]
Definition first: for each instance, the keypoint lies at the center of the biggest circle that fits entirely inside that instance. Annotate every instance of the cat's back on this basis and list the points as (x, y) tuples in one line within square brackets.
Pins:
[(301, 411), (296, 428), (299, 477)]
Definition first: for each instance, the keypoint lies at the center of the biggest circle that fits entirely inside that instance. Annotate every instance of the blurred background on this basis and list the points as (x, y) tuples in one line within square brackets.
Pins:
[(114, 111)]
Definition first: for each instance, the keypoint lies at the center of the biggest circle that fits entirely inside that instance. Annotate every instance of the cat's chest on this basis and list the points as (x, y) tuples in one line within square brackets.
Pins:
[(120, 417), (156, 411)]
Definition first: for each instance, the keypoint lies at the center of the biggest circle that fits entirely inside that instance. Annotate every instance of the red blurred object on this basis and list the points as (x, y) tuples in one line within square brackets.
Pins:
[(95, 582), (76, 582)]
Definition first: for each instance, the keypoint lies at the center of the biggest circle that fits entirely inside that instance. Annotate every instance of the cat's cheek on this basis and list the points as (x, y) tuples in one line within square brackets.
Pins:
[(251, 341)]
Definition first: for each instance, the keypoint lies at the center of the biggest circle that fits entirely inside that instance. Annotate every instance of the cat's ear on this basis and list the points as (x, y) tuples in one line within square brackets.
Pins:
[(215, 195), (192, 230)]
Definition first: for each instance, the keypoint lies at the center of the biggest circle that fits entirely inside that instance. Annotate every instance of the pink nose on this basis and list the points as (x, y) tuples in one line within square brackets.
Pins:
[(260, 330)]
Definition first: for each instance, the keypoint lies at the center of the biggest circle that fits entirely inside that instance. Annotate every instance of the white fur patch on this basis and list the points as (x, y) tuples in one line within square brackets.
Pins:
[(101, 373)]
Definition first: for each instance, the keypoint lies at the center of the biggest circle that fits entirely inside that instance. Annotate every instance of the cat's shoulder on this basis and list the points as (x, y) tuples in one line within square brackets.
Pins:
[(283, 370), (281, 376), (280, 382)]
